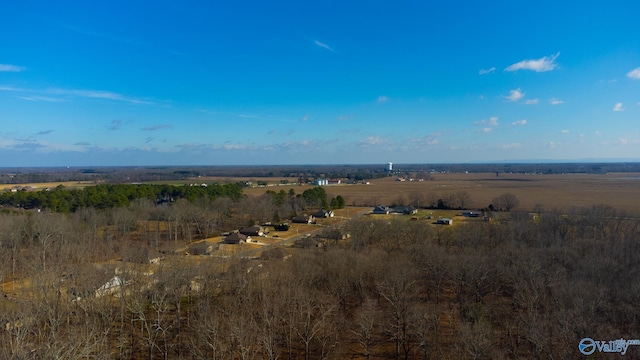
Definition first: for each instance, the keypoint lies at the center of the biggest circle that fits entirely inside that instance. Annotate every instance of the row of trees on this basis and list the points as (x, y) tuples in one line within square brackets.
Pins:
[(456, 200), (104, 196)]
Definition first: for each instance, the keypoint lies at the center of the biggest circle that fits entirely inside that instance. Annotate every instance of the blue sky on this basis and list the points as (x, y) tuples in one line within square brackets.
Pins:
[(86, 83)]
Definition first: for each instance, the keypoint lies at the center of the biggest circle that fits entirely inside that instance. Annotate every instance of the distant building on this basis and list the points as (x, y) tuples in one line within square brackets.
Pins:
[(323, 214), (321, 182), (470, 214), (201, 248), (381, 210), (404, 210), (237, 238), (444, 221), (305, 219), (390, 167), (253, 231)]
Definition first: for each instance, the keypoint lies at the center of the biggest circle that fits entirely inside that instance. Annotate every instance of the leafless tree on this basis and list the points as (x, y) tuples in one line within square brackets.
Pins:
[(463, 199), (365, 326), (397, 288), (505, 202)]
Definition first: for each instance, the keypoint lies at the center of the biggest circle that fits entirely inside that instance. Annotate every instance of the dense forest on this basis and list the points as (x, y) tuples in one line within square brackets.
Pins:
[(379, 288), (104, 196)]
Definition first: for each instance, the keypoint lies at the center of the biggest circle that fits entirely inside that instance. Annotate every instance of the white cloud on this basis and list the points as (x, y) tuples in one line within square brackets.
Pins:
[(305, 117), (618, 107), (382, 99), (634, 74), (597, 133), (11, 88), (565, 131), (11, 68), (487, 71), (41, 98), (519, 122), (515, 95), (492, 121), (511, 146), (323, 45), (555, 101), (98, 94), (373, 140), (546, 63), (531, 101), (485, 130)]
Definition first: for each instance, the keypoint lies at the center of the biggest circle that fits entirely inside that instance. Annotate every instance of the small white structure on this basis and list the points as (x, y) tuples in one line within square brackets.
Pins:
[(444, 221), (321, 182), (389, 166)]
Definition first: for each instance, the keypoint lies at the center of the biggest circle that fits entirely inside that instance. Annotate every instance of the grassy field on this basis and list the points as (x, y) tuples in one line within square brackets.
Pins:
[(551, 191), (49, 185)]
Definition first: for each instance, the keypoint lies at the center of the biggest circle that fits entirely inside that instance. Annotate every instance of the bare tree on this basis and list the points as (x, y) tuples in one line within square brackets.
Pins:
[(505, 202), (365, 326), (463, 199), (397, 288)]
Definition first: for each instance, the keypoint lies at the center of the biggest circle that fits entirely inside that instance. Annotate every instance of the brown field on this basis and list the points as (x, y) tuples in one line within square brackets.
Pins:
[(618, 190)]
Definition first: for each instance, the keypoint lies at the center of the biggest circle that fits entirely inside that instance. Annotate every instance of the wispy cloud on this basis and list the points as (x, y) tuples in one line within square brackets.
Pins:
[(99, 94), (634, 74), (40, 95), (618, 107), (305, 118), (11, 68), (41, 98), (515, 95), (44, 132), (382, 99), (486, 71), (519, 122), (546, 63), (565, 131), (157, 127), (322, 45), (12, 88), (531, 101), (555, 101)]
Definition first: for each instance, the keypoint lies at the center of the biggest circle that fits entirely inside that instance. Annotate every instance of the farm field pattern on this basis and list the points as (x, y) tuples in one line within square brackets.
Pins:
[(618, 190)]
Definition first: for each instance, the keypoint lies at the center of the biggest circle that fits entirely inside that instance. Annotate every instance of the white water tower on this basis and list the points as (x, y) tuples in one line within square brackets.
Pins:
[(390, 167)]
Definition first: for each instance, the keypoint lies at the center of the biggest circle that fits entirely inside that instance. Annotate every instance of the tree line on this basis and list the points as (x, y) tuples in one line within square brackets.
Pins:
[(102, 196)]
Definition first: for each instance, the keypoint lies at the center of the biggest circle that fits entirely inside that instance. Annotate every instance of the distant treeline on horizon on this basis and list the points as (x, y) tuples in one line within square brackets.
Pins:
[(130, 174)]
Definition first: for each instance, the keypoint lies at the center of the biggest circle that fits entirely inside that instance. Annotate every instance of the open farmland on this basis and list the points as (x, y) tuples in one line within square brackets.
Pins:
[(48, 185), (551, 191)]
